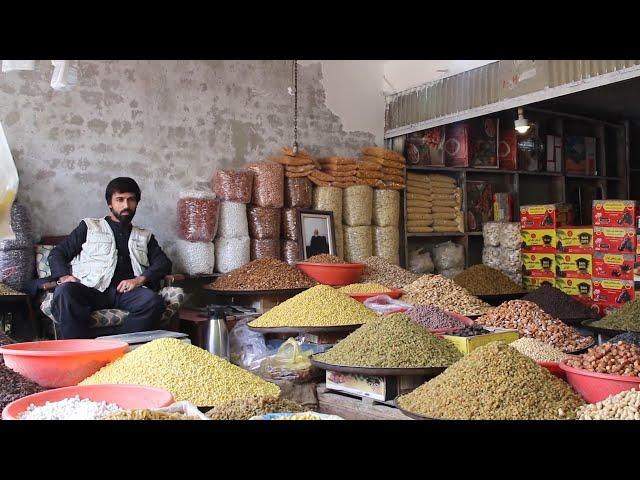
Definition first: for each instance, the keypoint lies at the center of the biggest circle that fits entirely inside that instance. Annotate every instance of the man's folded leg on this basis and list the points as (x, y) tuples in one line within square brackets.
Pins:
[(72, 304), (145, 309)]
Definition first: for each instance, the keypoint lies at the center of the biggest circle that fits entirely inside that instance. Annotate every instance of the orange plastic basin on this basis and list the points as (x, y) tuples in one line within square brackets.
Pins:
[(126, 396), (361, 297), (554, 368), (61, 363), (594, 386), (335, 274)]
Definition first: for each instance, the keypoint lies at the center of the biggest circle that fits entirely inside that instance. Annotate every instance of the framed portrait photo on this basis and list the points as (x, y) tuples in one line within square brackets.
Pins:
[(316, 233)]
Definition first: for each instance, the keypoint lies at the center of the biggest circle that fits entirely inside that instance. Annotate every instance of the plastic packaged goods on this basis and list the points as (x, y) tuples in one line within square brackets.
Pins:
[(21, 226), (232, 220), (8, 186), (386, 208), (329, 198), (290, 251), (265, 248), (298, 192), (510, 260), (233, 185), (420, 261), (386, 243), (198, 216), (448, 255), (358, 243), (491, 257), (247, 348), (510, 235), (491, 233), (290, 223), (451, 272), (515, 277), (264, 222), (268, 184), (195, 258), (357, 205), (232, 253), (16, 267), (339, 241)]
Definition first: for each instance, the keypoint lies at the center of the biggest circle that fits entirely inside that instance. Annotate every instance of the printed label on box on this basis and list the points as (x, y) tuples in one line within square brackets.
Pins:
[(610, 291), (613, 265), (575, 286), (533, 283), (538, 241), (545, 216), (614, 213), (614, 240), (361, 385), (574, 265), (574, 239), (539, 265)]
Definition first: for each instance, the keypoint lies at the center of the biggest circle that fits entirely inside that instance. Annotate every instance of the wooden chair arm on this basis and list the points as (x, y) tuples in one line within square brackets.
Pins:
[(176, 277)]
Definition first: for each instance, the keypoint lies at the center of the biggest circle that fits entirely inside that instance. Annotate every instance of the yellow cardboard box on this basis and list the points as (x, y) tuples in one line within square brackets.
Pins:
[(574, 265), (574, 239), (539, 241), (533, 283), (468, 344), (576, 287), (539, 264)]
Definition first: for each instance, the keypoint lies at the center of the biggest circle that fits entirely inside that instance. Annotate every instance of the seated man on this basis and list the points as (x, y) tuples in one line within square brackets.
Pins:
[(109, 263)]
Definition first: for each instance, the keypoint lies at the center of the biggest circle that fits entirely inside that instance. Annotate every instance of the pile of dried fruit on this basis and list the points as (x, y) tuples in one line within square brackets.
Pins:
[(444, 293), (627, 317), (379, 270), (558, 304), (324, 258), (531, 321), (538, 350), (483, 280), (320, 306), (264, 274), (246, 408), (494, 382), (394, 341), (14, 386), (613, 358), (364, 288), (433, 318)]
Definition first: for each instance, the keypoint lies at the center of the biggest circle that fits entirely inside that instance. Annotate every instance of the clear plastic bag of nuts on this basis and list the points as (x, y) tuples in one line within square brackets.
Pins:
[(510, 260), (386, 208), (268, 184), (491, 233), (265, 248), (290, 223), (329, 199), (386, 243), (290, 251), (491, 257), (264, 222), (358, 243), (298, 192), (197, 216), (510, 235), (233, 185), (357, 205)]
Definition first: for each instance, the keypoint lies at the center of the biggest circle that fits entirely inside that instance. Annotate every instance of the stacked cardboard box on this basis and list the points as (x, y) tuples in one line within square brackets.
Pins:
[(615, 247), (574, 261)]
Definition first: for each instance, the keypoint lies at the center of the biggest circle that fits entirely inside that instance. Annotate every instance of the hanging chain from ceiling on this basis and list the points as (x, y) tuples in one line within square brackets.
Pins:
[(295, 107)]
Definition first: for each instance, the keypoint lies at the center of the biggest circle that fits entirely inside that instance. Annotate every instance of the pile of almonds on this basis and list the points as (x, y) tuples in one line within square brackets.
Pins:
[(531, 321), (613, 358)]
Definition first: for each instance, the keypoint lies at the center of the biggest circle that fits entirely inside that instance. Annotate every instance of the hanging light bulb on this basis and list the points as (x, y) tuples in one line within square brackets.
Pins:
[(522, 124)]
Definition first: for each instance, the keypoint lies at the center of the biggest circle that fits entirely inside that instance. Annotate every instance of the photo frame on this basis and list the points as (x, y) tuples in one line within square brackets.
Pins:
[(325, 241)]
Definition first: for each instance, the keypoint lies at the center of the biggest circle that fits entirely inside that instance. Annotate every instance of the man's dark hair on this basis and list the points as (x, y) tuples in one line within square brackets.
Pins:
[(122, 185)]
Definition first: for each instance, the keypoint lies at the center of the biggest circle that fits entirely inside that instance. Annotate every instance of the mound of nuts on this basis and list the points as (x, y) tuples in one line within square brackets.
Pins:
[(619, 358), (622, 406)]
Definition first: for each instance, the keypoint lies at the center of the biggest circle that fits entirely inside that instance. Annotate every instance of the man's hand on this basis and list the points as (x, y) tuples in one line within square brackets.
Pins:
[(128, 285), (67, 278)]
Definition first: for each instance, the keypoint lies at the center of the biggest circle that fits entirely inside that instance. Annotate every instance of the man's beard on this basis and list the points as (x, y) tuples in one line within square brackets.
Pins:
[(126, 219)]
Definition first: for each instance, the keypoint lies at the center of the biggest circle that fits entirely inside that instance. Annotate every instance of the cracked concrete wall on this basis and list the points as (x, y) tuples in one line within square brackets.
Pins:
[(167, 124)]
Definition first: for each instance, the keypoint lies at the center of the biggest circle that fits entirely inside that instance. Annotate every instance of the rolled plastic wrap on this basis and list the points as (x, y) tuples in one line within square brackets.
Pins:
[(264, 222), (268, 184), (386, 208), (298, 192), (266, 248), (233, 185), (357, 243), (290, 224), (195, 258), (357, 205), (290, 251), (232, 253), (232, 220), (198, 216), (386, 243)]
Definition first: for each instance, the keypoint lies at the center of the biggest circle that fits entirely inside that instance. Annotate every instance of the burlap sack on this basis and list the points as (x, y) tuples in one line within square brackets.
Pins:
[(369, 174), (299, 169), (418, 196), (325, 177), (331, 167), (420, 229), (320, 183), (293, 161), (337, 160), (383, 153)]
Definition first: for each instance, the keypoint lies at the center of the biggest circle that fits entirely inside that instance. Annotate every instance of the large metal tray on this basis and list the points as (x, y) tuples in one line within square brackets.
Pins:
[(426, 372), (334, 329), (604, 331), (263, 293)]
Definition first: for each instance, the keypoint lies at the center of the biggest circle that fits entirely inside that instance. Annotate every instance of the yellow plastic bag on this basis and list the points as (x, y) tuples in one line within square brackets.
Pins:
[(290, 362), (8, 187)]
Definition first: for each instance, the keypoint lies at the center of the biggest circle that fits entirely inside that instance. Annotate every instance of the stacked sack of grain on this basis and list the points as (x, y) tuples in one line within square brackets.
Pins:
[(329, 198), (264, 213), (335, 172), (392, 165), (502, 248), (298, 193), (434, 204), (357, 213), (386, 219), (197, 226), (232, 243)]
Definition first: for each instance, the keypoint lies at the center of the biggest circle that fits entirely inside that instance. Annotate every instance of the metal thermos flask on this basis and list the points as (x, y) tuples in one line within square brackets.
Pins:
[(216, 339)]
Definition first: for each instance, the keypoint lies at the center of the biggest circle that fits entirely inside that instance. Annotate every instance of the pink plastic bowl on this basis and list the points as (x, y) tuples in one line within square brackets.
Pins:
[(126, 396), (61, 363), (554, 368), (335, 274), (595, 387)]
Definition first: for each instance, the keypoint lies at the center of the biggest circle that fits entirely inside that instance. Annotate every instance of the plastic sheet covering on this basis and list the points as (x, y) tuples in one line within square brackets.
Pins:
[(358, 243), (232, 220), (268, 184), (233, 185), (266, 248), (386, 243), (448, 255), (8, 187), (264, 223), (298, 192), (198, 216), (232, 253), (357, 205), (247, 348), (195, 258)]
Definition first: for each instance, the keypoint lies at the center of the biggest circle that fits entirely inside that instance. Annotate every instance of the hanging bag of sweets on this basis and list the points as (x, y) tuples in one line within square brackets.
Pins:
[(198, 216)]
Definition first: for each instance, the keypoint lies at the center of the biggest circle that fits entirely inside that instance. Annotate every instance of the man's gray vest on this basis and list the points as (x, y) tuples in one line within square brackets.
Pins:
[(96, 263)]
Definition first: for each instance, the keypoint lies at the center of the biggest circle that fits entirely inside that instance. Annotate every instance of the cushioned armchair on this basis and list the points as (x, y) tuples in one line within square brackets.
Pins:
[(173, 298)]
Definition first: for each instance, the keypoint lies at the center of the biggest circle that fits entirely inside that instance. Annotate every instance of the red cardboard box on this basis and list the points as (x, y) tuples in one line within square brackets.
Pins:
[(614, 213), (456, 145), (614, 240), (483, 135), (612, 291), (508, 150), (425, 147), (572, 239), (613, 265), (537, 265), (550, 215)]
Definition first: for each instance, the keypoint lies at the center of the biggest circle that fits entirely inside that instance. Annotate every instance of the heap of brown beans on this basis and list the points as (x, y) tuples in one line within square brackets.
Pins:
[(614, 358)]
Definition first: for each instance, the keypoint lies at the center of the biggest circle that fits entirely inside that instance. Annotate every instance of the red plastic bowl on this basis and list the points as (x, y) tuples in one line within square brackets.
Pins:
[(126, 396), (554, 368), (594, 386), (361, 297), (61, 363), (335, 274)]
